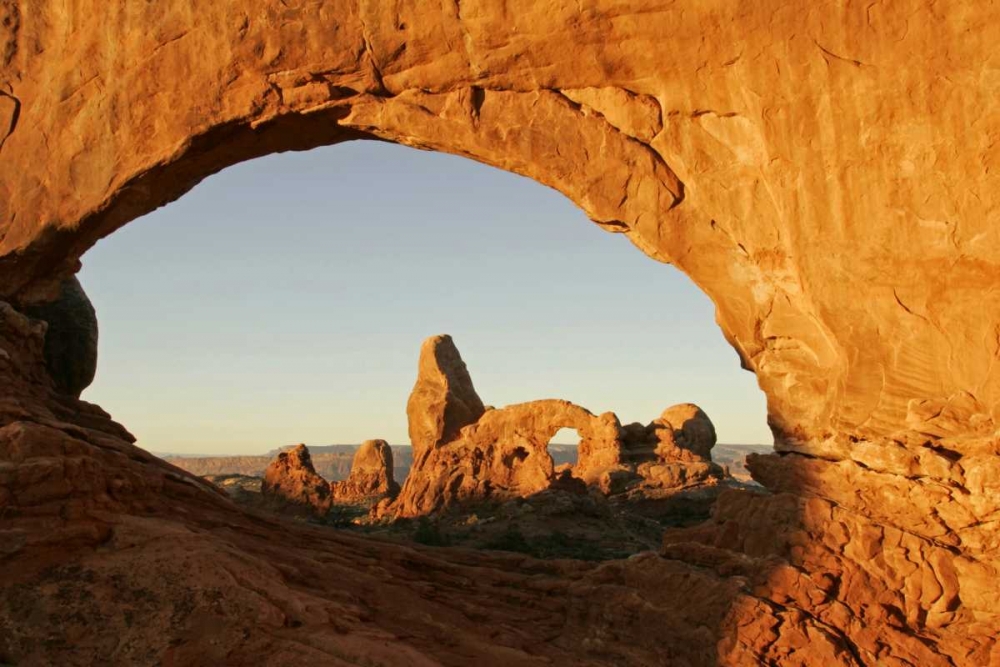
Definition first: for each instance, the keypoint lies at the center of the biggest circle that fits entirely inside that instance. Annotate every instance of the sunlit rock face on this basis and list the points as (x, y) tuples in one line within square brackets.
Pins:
[(825, 173), (503, 454), (70, 337), (371, 475), (291, 481), (443, 399)]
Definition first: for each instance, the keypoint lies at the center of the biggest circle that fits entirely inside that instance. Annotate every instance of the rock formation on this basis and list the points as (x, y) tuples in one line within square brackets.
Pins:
[(371, 477), (71, 337), (671, 453), (443, 399), (684, 427), (834, 195), (291, 480), (503, 454), (332, 462)]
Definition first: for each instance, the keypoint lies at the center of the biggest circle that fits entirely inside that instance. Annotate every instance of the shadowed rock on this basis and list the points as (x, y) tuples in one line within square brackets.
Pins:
[(71, 337)]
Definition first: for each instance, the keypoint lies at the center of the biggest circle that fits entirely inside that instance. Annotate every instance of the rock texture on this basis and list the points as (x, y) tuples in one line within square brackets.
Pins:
[(371, 477), (832, 192), (685, 427), (670, 454), (503, 454), (292, 480), (292, 483), (672, 140), (443, 399), (71, 337)]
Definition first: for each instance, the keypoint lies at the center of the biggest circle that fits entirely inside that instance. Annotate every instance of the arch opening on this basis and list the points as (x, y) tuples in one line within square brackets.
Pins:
[(325, 287), (242, 327), (564, 447)]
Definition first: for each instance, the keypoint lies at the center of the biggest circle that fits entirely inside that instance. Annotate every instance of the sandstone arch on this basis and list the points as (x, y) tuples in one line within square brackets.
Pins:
[(834, 196), (464, 451)]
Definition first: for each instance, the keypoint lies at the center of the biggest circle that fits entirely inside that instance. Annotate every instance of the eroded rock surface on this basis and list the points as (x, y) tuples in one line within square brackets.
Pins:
[(70, 337), (504, 453), (443, 399), (371, 477), (833, 194), (292, 480)]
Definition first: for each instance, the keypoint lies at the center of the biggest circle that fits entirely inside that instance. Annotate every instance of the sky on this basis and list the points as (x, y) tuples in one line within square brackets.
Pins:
[(285, 299)]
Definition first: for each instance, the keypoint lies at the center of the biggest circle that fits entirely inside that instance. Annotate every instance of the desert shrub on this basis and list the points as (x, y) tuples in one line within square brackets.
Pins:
[(429, 534), (511, 539)]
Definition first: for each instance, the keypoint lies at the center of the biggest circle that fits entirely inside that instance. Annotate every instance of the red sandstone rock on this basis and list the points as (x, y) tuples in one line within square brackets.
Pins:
[(291, 480), (371, 477), (443, 399), (503, 454), (688, 427), (831, 192)]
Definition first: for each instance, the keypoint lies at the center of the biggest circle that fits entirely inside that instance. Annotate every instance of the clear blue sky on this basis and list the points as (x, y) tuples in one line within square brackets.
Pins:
[(284, 300)]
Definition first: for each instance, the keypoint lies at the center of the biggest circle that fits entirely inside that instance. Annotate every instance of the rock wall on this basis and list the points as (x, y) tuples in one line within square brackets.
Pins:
[(806, 109), (291, 481), (825, 173)]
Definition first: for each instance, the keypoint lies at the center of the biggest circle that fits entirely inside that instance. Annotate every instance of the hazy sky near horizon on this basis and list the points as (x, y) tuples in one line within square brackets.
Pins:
[(284, 300)]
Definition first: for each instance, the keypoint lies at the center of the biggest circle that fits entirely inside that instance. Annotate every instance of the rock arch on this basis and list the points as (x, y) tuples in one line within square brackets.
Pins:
[(832, 195), (464, 451)]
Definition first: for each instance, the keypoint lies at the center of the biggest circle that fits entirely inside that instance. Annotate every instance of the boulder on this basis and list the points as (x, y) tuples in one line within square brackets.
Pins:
[(291, 481), (71, 337), (371, 477), (688, 427)]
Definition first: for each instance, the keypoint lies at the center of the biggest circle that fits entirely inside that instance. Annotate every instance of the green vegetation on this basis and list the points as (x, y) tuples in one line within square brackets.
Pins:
[(344, 516), (429, 534), (511, 539), (554, 545)]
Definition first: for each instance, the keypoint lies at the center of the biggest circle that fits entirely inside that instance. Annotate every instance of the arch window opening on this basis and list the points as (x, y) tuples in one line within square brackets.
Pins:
[(284, 301), (564, 447)]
